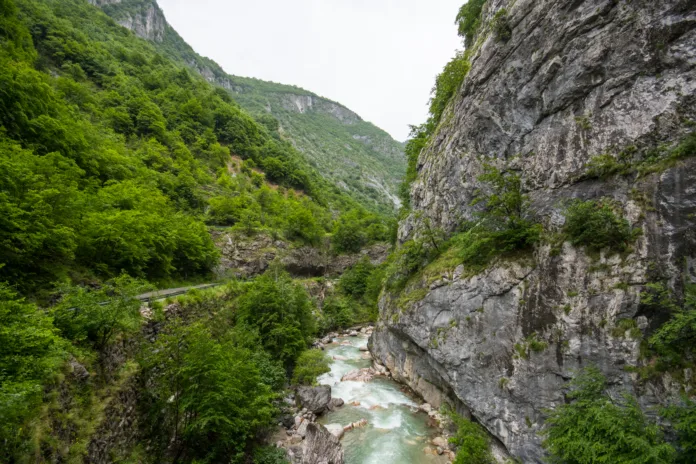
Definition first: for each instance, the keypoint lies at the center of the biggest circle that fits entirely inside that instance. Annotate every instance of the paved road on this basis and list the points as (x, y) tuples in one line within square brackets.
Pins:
[(162, 294)]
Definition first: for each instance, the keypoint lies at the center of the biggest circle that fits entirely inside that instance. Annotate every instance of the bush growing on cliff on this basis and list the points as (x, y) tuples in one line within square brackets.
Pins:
[(673, 343), (469, 20), (503, 224), (594, 427), (594, 224), (683, 419), (471, 442)]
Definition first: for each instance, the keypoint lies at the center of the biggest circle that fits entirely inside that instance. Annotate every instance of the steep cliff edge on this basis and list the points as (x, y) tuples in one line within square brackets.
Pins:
[(574, 81)]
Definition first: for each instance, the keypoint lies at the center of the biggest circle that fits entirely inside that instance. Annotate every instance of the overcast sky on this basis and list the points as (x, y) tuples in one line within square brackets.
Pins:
[(377, 57)]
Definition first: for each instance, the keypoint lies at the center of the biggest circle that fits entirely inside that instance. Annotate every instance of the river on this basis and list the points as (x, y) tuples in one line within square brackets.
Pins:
[(396, 433)]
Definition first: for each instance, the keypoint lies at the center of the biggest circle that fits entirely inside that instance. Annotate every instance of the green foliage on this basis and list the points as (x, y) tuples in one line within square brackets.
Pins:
[(337, 312), (501, 26), (357, 229), (418, 139), (469, 20), (410, 258), (631, 160), (595, 225), (281, 311), (310, 365), (270, 455), (674, 341), (596, 428), (31, 353), (97, 316), (503, 224), (354, 281), (447, 83), (471, 442), (110, 154), (683, 419), (205, 396)]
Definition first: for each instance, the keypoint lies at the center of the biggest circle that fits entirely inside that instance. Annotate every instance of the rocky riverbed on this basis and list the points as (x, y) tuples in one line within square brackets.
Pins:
[(360, 415)]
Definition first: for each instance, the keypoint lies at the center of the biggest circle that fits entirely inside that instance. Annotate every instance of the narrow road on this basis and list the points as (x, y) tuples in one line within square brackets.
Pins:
[(169, 292)]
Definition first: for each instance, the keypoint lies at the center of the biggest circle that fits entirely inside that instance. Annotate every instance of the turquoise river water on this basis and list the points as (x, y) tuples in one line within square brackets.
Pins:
[(396, 433)]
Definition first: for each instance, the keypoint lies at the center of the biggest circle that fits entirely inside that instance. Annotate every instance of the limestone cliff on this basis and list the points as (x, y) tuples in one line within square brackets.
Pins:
[(576, 79), (145, 19)]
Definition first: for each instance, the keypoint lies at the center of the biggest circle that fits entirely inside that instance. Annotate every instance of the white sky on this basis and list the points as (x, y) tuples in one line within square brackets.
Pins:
[(377, 57)]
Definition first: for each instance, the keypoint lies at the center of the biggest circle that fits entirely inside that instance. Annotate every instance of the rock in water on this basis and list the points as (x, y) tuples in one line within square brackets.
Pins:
[(335, 403), (336, 430), (359, 375), (314, 399)]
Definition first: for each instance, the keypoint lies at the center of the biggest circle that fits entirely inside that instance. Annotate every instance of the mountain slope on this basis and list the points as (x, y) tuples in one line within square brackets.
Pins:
[(352, 153)]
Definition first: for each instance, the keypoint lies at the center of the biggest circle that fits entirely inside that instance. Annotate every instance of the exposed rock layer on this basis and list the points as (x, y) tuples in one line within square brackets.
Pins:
[(577, 79)]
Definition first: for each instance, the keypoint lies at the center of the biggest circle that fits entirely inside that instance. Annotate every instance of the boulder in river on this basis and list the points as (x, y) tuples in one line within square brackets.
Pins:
[(336, 430), (335, 403), (359, 375), (314, 399)]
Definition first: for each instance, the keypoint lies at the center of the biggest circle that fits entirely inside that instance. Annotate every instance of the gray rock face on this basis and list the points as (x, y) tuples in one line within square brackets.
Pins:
[(319, 447), (147, 22), (315, 399), (577, 79)]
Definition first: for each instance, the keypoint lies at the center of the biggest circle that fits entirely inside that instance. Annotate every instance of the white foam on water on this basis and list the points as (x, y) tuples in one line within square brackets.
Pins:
[(395, 432), (390, 419)]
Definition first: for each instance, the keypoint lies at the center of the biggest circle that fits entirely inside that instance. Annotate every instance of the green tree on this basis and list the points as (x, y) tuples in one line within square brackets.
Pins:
[(281, 311), (355, 280), (594, 427), (207, 397), (98, 316), (310, 365)]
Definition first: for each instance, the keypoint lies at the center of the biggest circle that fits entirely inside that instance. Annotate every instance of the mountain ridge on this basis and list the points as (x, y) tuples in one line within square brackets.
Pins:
[(358, 156)]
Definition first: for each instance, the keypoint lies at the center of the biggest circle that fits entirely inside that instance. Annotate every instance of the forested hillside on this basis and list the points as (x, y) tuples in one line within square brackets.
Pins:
[(360, 158), (115, 164)]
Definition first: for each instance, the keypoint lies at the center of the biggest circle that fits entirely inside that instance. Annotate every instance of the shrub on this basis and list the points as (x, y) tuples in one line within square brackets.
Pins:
[(675, 340), (471, 441), (595, 225), (337, 313), (501, 26), (270, 455), (354, 281), (310, 365), (683, 418), (281, 311), (469, 20), (206, 399), (447, 83), (31, 352), (596, 428), (98, 316)]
